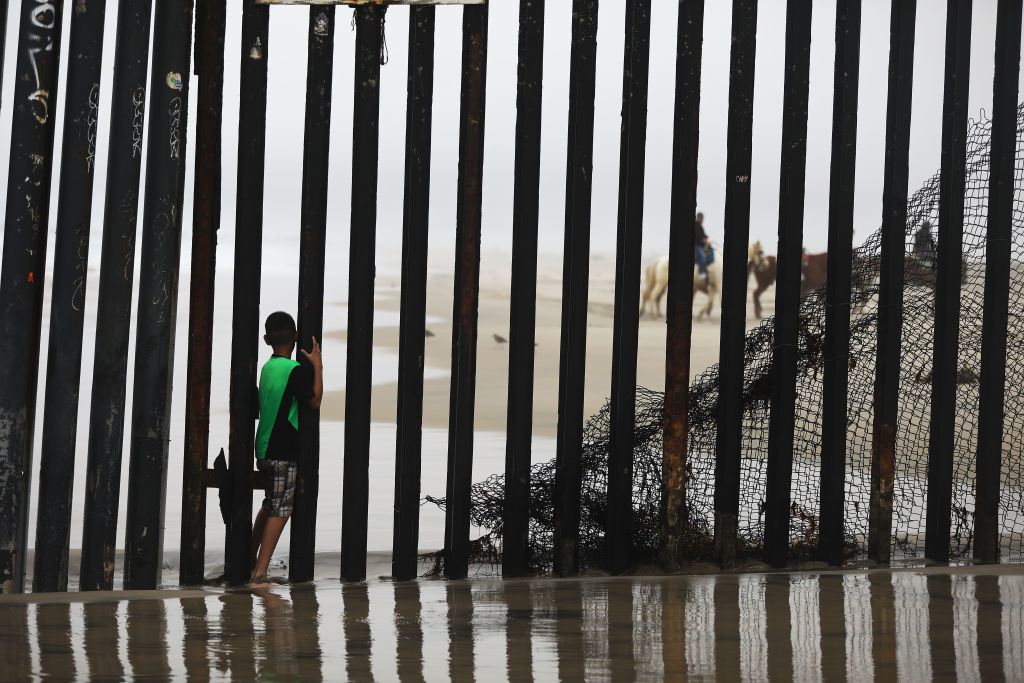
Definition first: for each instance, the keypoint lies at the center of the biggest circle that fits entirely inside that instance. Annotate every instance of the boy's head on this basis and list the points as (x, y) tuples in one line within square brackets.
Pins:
[(280, 328)]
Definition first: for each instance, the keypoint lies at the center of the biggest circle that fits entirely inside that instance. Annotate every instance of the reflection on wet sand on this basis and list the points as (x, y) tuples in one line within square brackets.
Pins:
[(855, 625)]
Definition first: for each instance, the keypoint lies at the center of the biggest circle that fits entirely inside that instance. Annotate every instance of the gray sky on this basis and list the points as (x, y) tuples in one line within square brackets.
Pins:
[(287, 54)]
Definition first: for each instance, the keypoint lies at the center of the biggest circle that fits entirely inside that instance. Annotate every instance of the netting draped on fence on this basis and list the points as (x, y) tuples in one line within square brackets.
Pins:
[(910, 492)]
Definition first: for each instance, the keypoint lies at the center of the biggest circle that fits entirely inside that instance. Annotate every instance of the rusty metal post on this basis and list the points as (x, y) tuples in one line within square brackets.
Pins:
[(316, 144), (24, 261), (211, 16), (523, 317), (890, 288), (948, 278), (416, 213), (625, 328), (679, 309), (575, 285), (467, 291), (245, 308), (158, 293), (734, 279), (113, 310), (835, 376), (998, 252), (67, 300), (787, 289)]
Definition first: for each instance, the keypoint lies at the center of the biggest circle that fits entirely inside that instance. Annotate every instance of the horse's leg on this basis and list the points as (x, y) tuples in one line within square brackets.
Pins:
[(659, 293), (757, 298), (648, 286)]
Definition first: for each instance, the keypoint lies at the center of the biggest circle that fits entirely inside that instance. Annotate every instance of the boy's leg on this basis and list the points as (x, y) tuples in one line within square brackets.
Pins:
[(257, 533), (278, 510), (271, 535)]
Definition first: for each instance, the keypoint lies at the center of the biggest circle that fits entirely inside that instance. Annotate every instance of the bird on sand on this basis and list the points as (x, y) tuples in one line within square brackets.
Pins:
[(501, 340), (428, 333)]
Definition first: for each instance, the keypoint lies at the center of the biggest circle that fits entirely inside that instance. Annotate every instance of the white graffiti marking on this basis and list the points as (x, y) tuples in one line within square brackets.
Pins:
[(139, 102), (44, 16), (90, 122), (174, 110)]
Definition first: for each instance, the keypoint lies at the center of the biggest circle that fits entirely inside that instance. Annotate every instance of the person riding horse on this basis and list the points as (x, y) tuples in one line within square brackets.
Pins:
[(703, 254), (924, 245)]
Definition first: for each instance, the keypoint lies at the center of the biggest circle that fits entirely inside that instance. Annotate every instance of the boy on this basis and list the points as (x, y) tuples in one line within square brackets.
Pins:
[(283, 383)]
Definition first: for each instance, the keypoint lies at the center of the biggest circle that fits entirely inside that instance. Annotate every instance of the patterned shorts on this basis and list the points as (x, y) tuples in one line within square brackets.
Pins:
[(281, 494)]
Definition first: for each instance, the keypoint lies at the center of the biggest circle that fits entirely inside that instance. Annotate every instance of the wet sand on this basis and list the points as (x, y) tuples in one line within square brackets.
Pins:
[(492, 355), (912, 624)]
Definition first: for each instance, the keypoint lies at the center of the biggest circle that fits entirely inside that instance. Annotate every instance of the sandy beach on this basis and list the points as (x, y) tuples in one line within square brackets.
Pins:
[(492, 356)]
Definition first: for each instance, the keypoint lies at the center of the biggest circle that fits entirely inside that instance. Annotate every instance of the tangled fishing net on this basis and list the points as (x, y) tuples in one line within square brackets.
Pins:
[(910, 488)]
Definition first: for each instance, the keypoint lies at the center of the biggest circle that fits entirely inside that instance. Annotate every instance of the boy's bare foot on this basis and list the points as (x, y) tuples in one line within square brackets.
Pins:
[(260, 582)]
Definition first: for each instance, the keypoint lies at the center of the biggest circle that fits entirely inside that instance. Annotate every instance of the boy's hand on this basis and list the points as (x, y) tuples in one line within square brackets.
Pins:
[(314, 355)]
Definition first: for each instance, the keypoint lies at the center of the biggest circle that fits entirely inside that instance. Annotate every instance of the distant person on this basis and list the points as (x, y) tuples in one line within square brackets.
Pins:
[(283, 383), (924, 245), (703, 254)]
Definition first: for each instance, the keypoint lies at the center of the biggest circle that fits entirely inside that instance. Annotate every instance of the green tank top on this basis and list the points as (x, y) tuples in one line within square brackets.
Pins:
[(273, 380)]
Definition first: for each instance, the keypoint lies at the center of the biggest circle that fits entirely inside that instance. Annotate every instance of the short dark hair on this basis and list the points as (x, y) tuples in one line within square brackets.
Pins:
[(700, 215), (280, 328)]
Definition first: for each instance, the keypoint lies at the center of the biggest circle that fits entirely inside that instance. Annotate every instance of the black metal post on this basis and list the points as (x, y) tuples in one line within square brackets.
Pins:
[(579, 163), (787, 287), (245, 308), (316, 145), (679, 309), (409, 439), (158, 293), (365, 132), (991, 408), (632, 158), (211, 14), (890, 286), (24, 261), (113, 311), (948, 278), (467, 290), (523, 317), (734, 278), (835, 374), (67, 302)]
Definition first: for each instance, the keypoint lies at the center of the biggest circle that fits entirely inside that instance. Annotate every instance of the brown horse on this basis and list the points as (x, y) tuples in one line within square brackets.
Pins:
[(765, 270)]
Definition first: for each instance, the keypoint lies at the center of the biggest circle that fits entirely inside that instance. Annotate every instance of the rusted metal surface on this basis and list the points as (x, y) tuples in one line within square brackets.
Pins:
[(575, 285), (313, 235), (952, 183), (734, 278), (245, 311), (835, 376), (24, 261), (625, 327), (890, 288), (416, 205), (67, 302), (467, 291), (787, 289), (523, 315), (991, 408), (679, 310), (211, 14), (158, 293)]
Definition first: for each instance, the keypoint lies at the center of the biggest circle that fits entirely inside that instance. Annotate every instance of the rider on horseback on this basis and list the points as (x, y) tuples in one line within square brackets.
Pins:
[(924, 245), (703, 254)]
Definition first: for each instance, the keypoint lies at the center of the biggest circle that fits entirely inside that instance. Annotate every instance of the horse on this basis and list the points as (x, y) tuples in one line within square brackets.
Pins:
[(765, 270), (656, 282)]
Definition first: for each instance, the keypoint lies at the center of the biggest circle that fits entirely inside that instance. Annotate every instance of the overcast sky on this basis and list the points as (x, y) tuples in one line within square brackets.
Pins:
[(287, 60)]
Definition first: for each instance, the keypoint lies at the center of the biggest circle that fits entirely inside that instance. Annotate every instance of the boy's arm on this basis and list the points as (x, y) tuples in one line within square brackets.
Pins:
[(318, 373)]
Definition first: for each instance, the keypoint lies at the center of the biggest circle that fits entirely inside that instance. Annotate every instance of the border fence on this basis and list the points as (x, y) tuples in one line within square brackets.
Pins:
[(826, 335)]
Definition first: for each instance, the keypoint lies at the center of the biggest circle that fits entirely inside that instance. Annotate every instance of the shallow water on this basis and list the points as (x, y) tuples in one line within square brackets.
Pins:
[(907, 625)]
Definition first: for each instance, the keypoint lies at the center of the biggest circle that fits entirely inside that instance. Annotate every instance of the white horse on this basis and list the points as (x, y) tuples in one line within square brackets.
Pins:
[(656, 282)]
